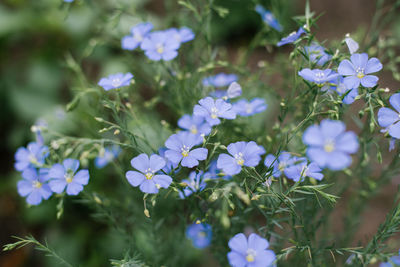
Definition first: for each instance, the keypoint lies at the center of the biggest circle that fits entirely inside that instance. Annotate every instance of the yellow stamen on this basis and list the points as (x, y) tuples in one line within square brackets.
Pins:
[(360, 75), (149, 175), (37, 184), (329, 147), (250, 258), (160, 49)]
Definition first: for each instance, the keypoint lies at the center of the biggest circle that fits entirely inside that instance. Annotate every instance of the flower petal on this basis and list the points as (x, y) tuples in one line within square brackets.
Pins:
[(238, 243), (134, 178), (149, 187), (141, 162), (373, 65), (369, 81), (156, 162), (257, 243), (346, 68), (395, 101), (163, 180), (74, 189)]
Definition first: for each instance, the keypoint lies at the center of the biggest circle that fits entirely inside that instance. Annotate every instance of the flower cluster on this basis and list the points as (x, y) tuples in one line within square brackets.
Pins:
[(157, 45), (40, 180)]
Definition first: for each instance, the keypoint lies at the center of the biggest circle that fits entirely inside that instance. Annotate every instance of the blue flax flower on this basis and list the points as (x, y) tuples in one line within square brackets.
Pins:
[(317, 54), (212, 110), (340, 87), (251, 252), (394, 261), (34, 186), (180, 149), (200, 234), (247, 108), (299, 171), (138, 33), (280, 164), (148, 177), (291, 38), (182, 35), (214, 173), (220, 80), (352, 45), (169, 166), (318, 76), (115, 81), (390, 119), (268, 17), (160, 46), (195, 183), (66, 176), (329, 145), (30, 157), (241, 154), (109, 155), (358, 69), (194, 124)]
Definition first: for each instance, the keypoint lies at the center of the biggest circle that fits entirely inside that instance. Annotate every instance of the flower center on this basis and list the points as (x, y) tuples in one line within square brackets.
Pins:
[(193, 129), (115, 82), (293, 33), (37, 184), (251, 255), (281, 166), (185, 151), (160, 49), (149, 174), (239, 159), (33, 160), (214, 113), (138, 37), (268, 17), (360, 72), (201, 234), (69, 176), (329, 146), (319, 75), (249, 108)]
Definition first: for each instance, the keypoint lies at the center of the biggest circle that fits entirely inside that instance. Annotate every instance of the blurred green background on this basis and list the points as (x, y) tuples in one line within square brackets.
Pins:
[(36, 81)]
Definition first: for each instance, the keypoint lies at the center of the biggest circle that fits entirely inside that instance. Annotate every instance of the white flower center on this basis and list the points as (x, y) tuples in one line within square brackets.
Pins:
[(239, 158), (320, 75), (214, 112), (33, 160), (360, 72), (138, 37), (201, 234), (281, 166), (251, 255), (37, 184), (268, 17), (249, 108), (185, 151), (116, 82)]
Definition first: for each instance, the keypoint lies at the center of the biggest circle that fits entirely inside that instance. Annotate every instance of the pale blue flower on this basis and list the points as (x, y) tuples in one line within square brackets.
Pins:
[(180, 149), (108, 156), (212, 110), (357, 70), (200, 234), (194, 124), (248, 108), (299, 171), (329, 145), (66, 176), (240, 154), (352, 45), (32, 156), (318, 76), (160, 46), (148, 177), (138, 33), (317, 54), (251, 252), (390, 119), (34, 186), (195, 183), (268, 17), (116, 81), (220, 80), (291, 38)]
